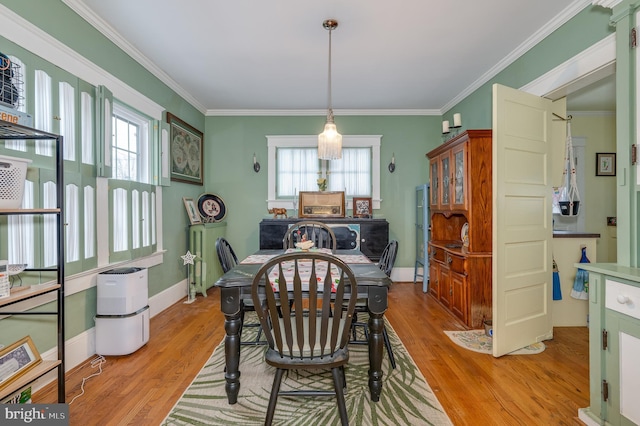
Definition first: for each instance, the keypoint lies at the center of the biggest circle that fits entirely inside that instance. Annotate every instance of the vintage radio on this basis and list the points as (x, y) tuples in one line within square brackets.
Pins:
[(322, 204)]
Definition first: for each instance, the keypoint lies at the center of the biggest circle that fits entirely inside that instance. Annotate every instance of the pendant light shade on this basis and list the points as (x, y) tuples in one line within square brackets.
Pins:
[(330, 141)]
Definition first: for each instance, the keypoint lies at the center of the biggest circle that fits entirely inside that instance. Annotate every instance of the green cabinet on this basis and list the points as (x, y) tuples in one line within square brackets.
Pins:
[(614, 345), (206, 269)]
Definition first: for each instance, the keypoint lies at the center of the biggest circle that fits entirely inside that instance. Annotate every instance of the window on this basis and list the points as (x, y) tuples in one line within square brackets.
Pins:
[(130, 147), (129, 187), (294, 166)]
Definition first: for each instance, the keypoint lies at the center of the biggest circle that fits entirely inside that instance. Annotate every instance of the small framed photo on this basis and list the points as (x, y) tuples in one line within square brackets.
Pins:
[(16, 359), (192, 211), (186, 145), (605, 164), (362, 207)]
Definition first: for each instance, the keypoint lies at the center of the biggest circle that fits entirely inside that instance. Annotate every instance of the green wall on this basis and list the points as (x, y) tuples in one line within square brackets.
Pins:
[(231, 141)]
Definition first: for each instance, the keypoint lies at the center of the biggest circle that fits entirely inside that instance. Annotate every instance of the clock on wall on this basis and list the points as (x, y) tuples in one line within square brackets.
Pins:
[(211, 207)]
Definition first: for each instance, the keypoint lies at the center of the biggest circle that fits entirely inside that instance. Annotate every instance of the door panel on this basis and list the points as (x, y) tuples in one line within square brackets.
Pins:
[(522, 219)]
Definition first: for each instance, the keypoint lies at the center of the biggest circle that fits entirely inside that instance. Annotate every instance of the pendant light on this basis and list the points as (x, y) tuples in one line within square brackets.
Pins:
[(330, 141)]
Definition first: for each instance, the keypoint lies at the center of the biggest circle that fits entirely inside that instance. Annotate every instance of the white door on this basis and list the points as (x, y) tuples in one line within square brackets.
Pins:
[(522, 219)]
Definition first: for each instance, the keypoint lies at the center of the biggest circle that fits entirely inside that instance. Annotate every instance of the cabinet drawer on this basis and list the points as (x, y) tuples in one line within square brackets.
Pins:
[(436, 253), (456, 263), (623, 298)]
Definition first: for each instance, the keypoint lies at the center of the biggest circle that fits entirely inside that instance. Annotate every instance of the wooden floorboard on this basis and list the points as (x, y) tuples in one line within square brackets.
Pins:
[(543, 389)]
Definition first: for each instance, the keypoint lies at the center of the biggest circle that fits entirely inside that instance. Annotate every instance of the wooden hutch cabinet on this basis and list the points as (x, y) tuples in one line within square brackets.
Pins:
[(461, 234)]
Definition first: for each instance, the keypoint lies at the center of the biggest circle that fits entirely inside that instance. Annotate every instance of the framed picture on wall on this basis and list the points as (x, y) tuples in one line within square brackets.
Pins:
[(362, 207), (605, 164), (186, 144)]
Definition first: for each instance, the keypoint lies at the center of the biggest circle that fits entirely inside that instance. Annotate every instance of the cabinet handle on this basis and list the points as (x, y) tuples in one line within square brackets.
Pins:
[(449, 259), (622, 299)]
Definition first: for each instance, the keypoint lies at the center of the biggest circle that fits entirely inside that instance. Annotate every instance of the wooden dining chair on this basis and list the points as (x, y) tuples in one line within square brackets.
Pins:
[(228, 260), (387, 260), (320, 233), (295, 296)]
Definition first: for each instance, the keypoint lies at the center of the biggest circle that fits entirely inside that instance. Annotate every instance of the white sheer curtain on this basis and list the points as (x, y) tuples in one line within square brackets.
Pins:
[(135, 219), (86, 131), (120, 225), (42, 111), (67, 101), (50, 237), (18, 82), (297, 170), (21, 231), (352, 172), (146, 237), (89, 222)]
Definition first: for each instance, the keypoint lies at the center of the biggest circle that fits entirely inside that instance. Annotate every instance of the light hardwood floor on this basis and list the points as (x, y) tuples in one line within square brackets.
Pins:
[(474, 389)]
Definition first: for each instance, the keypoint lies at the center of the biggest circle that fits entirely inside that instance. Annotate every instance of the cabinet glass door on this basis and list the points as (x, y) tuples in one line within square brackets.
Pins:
[(434, 183), (446, 187), (459, 189)]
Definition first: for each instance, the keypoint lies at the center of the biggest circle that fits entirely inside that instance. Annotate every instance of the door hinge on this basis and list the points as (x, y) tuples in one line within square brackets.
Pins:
[(605, 390), (605, 339), (634, 154)]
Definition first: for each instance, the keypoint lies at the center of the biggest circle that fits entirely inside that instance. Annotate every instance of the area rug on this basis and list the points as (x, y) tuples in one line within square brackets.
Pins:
[(478, 341), (406, 396)]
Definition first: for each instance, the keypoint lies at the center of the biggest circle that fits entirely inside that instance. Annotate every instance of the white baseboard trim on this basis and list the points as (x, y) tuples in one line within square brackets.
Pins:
[(80, 348), (404, 275)]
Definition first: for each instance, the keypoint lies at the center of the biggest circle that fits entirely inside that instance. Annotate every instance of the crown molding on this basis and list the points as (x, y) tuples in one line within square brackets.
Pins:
[(109, 32), (22, 32), (609, 4), (569, 12), (318, 112)]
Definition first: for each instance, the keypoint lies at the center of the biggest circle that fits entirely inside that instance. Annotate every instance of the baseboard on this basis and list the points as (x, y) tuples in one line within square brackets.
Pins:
[(405, 275), (80, 348)]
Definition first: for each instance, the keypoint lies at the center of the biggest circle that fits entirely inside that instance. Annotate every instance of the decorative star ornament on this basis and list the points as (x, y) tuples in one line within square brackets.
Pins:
[(188, 258)]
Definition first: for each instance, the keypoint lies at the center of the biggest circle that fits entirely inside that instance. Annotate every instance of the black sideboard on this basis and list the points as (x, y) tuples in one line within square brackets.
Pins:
[(370, 236)]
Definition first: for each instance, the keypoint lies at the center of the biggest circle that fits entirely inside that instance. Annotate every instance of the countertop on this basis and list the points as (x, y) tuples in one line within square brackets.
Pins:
[(574, 234)]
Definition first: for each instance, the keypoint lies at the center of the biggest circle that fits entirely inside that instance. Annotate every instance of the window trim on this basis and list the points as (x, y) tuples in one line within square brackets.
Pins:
[(305, 141)]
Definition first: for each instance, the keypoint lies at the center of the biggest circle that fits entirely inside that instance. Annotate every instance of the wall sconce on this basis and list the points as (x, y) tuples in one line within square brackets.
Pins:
[(392, 164), (256, 165)]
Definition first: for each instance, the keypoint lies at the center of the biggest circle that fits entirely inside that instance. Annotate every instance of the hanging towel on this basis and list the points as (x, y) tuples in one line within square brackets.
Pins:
[(580, 288), (557, 290)]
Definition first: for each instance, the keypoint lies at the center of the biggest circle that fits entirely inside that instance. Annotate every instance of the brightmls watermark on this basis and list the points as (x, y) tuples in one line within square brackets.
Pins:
[(35, 414)]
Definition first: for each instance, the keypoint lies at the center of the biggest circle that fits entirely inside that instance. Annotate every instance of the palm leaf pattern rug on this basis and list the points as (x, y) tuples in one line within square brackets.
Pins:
[(406, 396)]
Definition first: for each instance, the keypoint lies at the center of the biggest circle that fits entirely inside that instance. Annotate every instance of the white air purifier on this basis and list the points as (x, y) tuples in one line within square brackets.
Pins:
[(122, 320)]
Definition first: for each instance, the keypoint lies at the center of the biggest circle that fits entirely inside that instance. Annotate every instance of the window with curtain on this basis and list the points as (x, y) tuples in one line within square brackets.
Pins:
[(293, 166), (50, 239)]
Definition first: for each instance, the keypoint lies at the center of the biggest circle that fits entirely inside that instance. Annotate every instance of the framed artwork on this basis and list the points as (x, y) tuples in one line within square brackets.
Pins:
[(362, 207), (605, 164), (16, 359), (186, 145), (192, 211)]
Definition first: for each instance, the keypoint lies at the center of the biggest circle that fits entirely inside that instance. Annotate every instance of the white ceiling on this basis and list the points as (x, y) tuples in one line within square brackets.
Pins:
[(408, 56)]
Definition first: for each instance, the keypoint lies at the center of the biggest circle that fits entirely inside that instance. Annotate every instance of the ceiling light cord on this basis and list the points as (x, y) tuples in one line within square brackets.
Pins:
[(330, 109)]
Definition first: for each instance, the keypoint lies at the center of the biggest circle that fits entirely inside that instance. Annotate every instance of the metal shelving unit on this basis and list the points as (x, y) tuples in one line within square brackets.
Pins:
[(10, 131)]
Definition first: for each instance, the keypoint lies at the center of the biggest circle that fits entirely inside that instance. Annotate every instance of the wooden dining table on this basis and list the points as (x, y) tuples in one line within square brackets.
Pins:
[(235, 286)]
